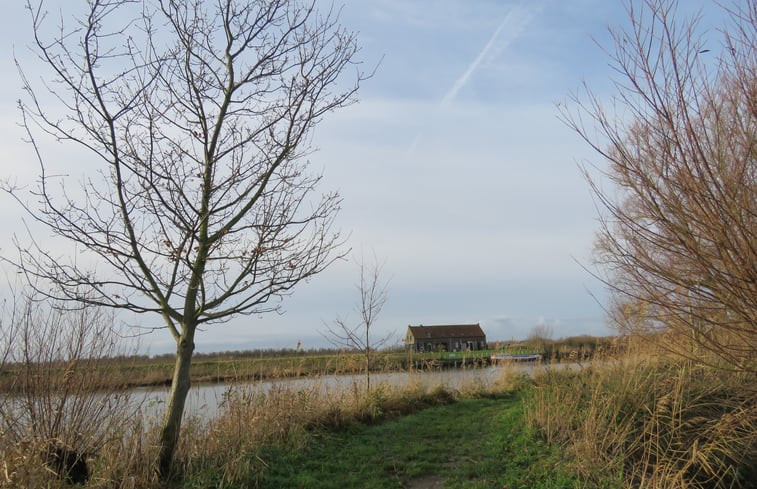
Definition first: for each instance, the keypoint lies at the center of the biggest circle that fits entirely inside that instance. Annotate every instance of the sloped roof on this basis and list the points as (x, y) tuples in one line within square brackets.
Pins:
[(447, 331)]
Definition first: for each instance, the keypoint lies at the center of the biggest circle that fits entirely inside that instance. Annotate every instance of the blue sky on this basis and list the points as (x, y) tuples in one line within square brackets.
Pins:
[(454, 170)]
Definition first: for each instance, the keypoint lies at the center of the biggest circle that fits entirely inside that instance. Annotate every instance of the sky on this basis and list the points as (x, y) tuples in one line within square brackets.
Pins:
[(454, 167)]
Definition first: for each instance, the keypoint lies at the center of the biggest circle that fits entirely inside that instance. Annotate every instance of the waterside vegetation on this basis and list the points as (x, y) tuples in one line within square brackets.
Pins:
[(633, 416)]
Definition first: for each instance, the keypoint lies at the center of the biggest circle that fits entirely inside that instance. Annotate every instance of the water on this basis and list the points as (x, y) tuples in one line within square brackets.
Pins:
[(205, 401)]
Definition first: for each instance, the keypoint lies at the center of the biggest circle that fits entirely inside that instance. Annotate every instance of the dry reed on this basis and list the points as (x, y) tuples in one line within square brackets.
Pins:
[(650, 421)]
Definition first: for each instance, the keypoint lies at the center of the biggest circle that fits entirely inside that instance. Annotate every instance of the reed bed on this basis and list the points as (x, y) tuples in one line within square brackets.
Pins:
[(650, 421)]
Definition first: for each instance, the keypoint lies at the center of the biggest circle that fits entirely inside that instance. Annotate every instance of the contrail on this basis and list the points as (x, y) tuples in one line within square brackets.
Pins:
[(515, 21)]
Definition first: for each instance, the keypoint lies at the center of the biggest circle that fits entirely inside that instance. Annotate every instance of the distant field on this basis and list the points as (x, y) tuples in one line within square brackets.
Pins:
[(230, 368)]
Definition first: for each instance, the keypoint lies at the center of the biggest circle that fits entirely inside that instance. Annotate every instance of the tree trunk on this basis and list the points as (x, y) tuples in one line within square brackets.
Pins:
[(368, 369), (169, 435)]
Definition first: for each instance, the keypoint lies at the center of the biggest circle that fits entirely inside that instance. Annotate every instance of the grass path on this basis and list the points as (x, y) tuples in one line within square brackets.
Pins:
[(473, 443)]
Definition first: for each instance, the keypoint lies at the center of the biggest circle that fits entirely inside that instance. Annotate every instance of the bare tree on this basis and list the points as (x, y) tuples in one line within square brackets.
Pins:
[(677, 237), (539, 335), (200, 114), (373, 295)]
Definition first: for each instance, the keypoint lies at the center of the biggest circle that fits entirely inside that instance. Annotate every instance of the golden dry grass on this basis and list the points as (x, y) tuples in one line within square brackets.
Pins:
[(651, 421)]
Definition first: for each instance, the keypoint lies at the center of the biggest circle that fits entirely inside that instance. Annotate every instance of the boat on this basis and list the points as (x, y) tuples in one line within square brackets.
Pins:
[(513, 357)]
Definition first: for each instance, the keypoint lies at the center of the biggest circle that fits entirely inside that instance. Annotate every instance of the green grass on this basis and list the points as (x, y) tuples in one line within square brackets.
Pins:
[(472, 443)]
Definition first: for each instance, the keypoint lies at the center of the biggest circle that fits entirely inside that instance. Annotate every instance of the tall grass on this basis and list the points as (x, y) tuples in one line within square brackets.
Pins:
[(648, 420)]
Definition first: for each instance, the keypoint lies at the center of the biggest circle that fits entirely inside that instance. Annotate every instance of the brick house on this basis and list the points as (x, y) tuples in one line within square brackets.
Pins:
[(453, 337)]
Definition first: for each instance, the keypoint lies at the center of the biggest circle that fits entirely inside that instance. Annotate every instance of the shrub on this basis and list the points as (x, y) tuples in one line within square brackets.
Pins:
[(57, 422)]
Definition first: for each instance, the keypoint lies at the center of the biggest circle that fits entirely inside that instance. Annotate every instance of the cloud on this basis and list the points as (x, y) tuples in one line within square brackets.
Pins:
[(513, 25)]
